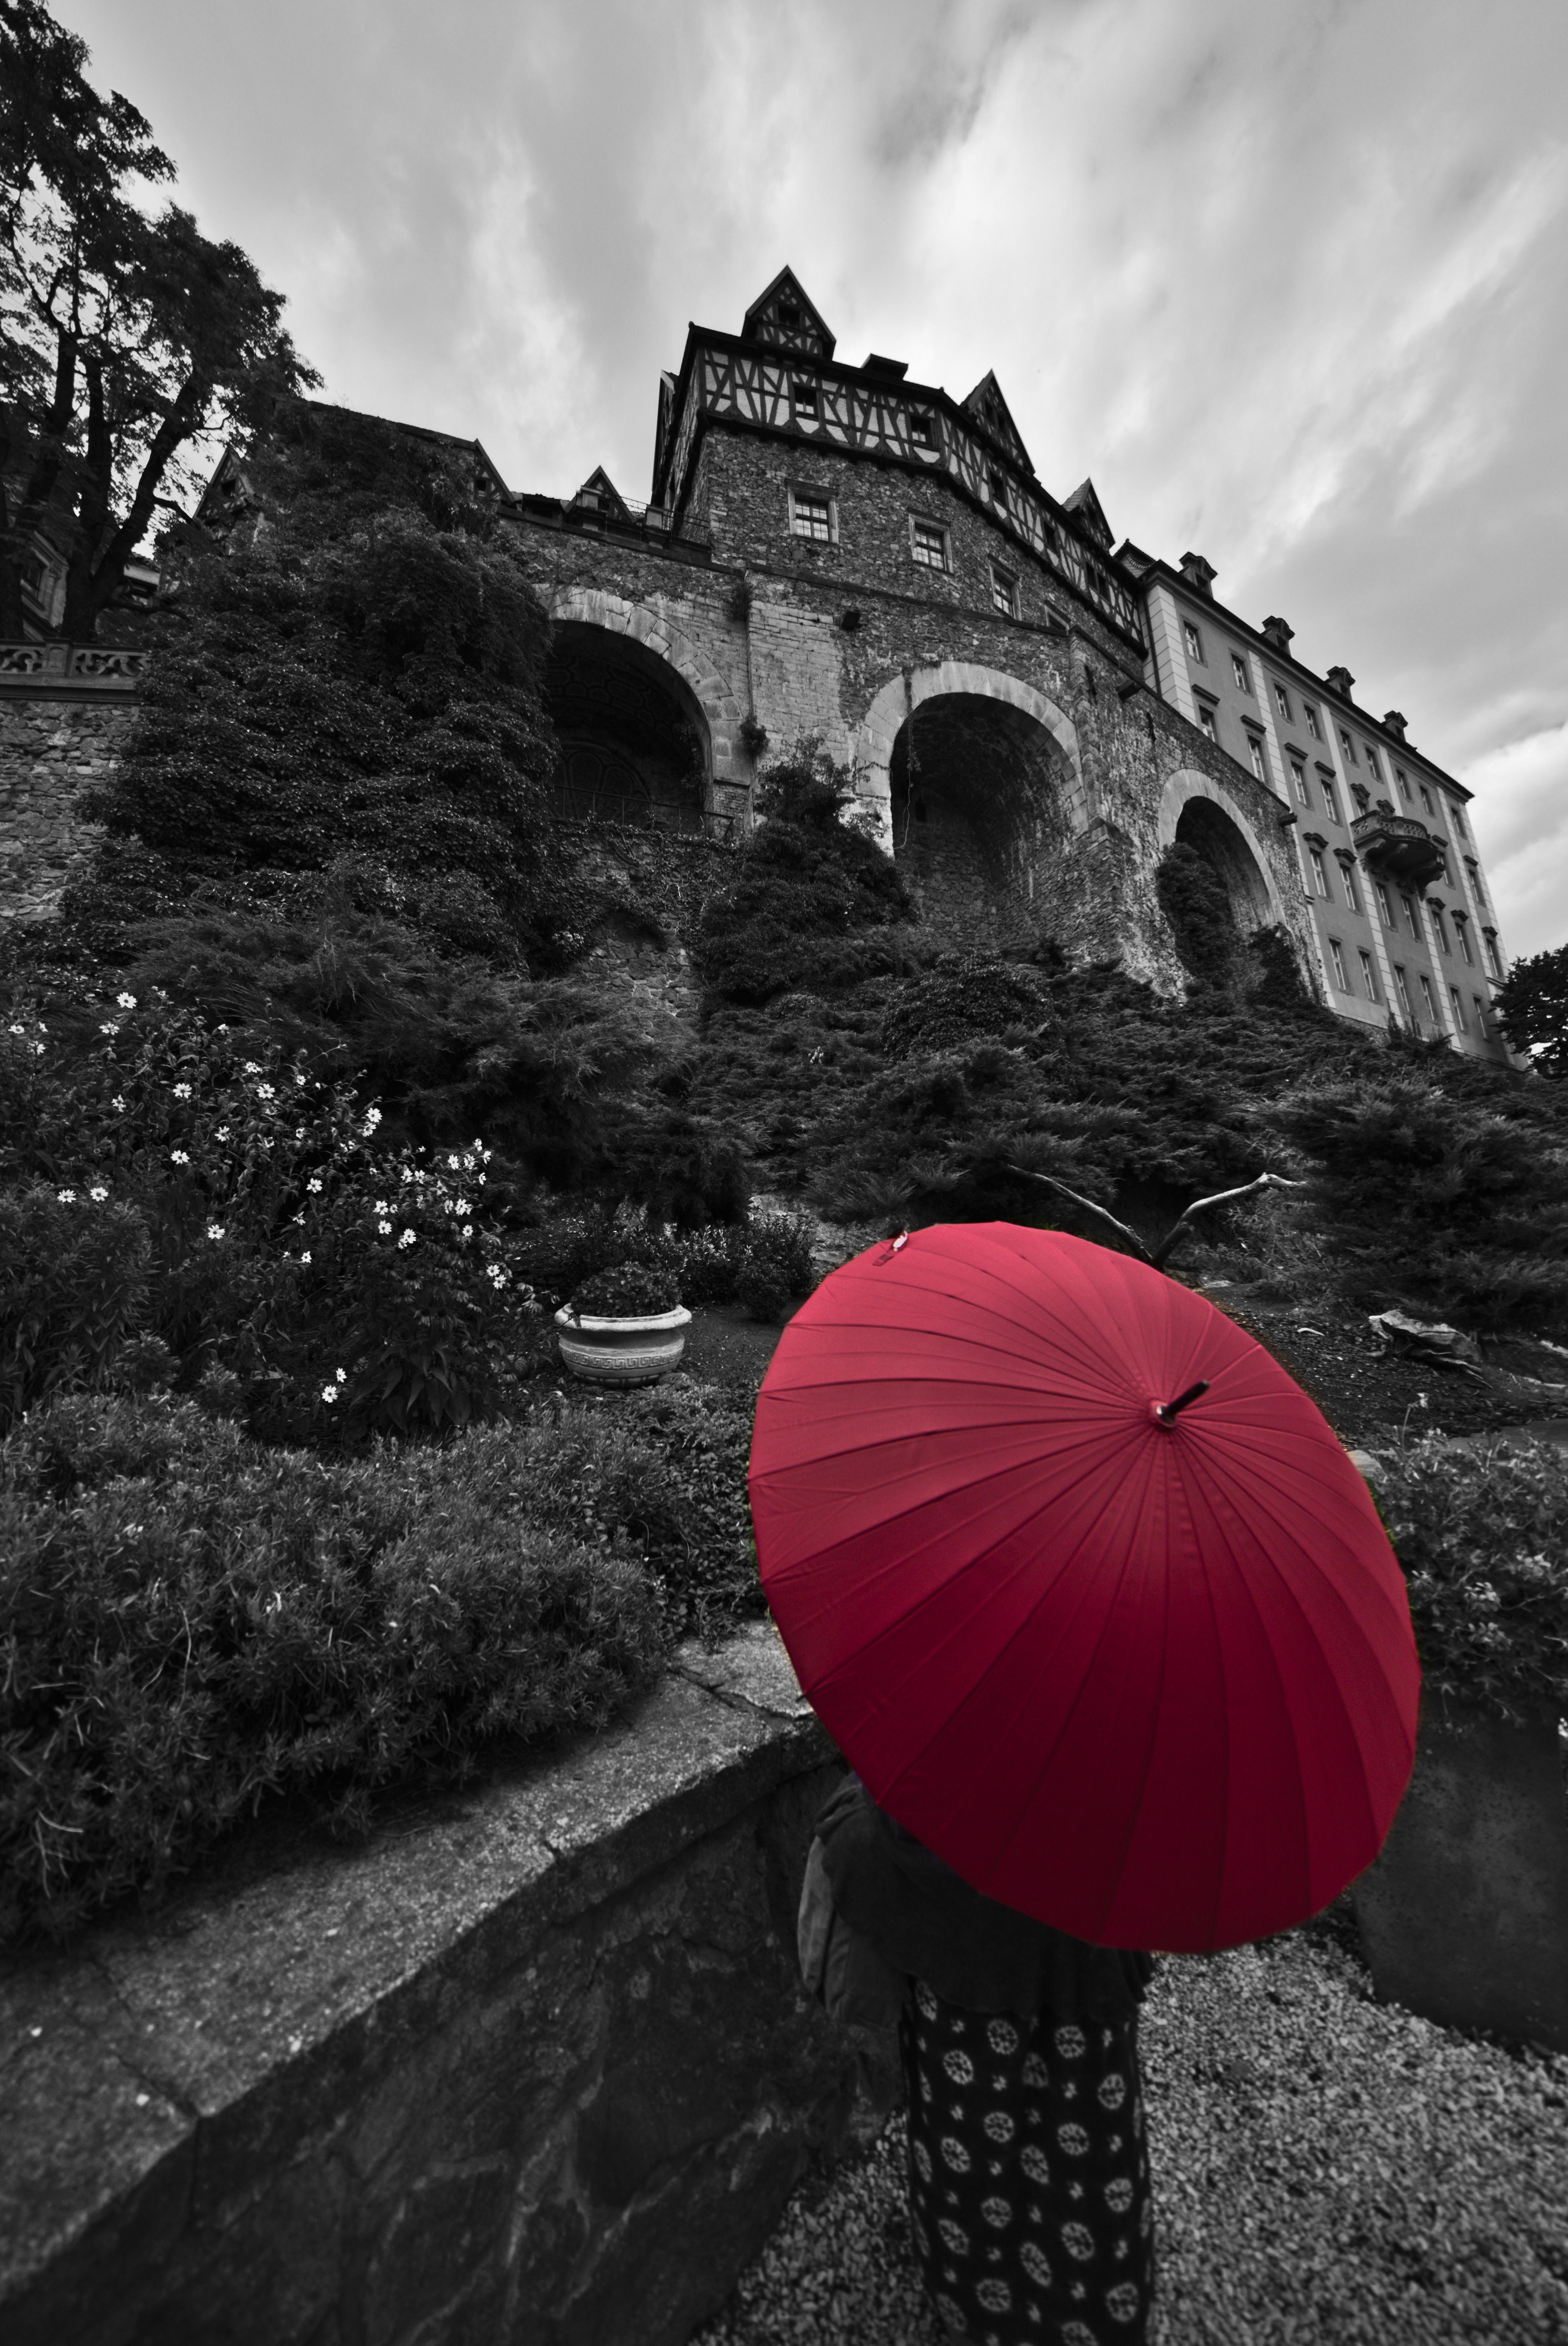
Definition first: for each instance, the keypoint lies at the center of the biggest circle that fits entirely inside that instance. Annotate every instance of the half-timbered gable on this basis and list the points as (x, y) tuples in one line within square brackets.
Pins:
[(786, 316), (1089, 512), (986, 403)]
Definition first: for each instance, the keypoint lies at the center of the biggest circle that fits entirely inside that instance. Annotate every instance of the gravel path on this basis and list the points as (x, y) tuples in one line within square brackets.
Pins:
[(1329, 2171)]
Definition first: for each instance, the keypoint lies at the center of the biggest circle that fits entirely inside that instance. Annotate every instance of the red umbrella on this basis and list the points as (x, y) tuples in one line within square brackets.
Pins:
[(1084, 1587)]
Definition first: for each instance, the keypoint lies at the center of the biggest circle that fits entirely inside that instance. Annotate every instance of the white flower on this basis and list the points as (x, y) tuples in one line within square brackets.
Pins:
[(117, 1103), (98, 1193), (223, 1030), (37, 1050), (215, 1229), (305, 1257), (373, 1118), (298, 1132), (406, 1239), (222, 1133), (126, 1001), (342, 1375), (486, 1154), (1485, 1593), (329, 1393), (178, 1157), (380, 1206), (67, 1196), (265, 1091), (109, 1029), (252, 1067), (20, 1030), (385, 1228), (405, 1176), (182, 1091), (299, 1079), (462, 1206), (468, 1229), (314, 1186)]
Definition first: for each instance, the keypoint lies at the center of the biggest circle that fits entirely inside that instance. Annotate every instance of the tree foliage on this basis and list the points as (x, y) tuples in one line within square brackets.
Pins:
[(126, 336), (1532, 1006)]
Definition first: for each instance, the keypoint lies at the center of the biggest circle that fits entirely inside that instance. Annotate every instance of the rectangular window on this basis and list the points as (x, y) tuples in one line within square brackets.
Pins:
[(928, 543), (1319, 870), (1347, 746), (1412, 921), (1282, 702), (1458, 1009), (1193, 641), (1402, 988), (1373, 768), (1311, 714), (997, 479), (1298, 784), (1474, 871), (1456, 815), (1003, 592), (1206, 719), (811, 515), (920, 431), (1493, 959), (1440, 925), (1427, 999), (1404, 785), (1461, 931), (803, 395), (1385, 905), (1254, 751), (1348, 874), (1368, 976), (1331, 797), (1239, 670), (1480, 1013), (1340, 978), (1426, 797)]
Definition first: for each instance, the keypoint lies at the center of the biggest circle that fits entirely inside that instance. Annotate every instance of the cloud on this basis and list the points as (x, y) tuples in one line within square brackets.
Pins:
[(1521, 817), (1291, 282)]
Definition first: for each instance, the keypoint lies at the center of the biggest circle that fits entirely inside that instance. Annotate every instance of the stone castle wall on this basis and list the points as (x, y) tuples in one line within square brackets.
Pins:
[(51, 752)]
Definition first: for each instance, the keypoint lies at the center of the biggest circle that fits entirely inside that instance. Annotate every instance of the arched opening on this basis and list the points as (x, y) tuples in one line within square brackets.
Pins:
[(634, 740), (980, 824), (1224, 847)]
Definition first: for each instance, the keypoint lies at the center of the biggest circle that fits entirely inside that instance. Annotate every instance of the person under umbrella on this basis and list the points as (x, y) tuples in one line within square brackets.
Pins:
[(1107, 1626)]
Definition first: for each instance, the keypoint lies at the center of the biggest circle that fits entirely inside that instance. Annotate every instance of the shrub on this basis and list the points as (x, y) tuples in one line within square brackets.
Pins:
[(761, 1290), (1194, 901), (959, 1001), (626, 1290), (814, 902), (1483, 1536), (193, 1625), (72, 1290)]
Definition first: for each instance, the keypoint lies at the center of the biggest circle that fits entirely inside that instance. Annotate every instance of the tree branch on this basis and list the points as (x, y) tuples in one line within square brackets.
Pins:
[(1089, 1207), (1158, 1256)]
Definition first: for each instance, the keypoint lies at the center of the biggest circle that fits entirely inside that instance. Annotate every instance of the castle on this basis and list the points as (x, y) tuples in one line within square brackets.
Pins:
[(1031, 714)]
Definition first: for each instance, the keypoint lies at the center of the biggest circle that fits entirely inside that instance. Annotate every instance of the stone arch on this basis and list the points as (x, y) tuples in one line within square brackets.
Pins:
[(879, 730), (718, 710), (1253, 888)]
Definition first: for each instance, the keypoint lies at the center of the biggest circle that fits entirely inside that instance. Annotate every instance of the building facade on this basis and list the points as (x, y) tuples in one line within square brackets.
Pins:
[(1032, 715)]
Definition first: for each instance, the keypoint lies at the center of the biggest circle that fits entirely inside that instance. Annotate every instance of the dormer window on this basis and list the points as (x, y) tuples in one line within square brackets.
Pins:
[(789, 316)]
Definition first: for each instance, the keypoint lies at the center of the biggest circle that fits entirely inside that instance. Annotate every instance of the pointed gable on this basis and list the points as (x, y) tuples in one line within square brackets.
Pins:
[(986, 404), (599, 495), (1090, 513), (786, 316)]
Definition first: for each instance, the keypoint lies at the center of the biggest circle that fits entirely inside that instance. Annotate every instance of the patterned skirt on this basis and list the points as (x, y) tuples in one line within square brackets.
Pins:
[(1029, 2175)]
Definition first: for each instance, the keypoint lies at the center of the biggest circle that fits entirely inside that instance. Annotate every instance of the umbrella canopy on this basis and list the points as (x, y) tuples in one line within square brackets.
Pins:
[(1150, 1678)]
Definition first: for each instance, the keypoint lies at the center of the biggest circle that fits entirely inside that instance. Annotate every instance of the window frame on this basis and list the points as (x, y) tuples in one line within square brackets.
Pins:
[(1456, 816), (1402, 783), (1352, 893), (1241, 674), (1330, 798), (1386, 906), (805, 396), (1298, 778), (1480, 1007), (1310, 714), (1489, 945), (1428, 996), (1402, 989), (1003, 592), (800, 496), (1369, 974), (1412, 916), (1319, 870), (1206, 720), (1453, 995), (1373, 768), (1258, 753), (1427, 800), (941, 532), (1282, 701), (921, 427), (1341, 975), (1440, 927), (1192, 637), (1461, 931), (1347, 746)]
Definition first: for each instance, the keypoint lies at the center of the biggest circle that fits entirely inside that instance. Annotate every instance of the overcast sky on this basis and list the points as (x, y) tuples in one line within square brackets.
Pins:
[(1290, 277)]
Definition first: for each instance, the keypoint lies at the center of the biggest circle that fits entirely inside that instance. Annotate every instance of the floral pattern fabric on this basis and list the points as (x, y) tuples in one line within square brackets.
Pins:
[(1029, 2175)]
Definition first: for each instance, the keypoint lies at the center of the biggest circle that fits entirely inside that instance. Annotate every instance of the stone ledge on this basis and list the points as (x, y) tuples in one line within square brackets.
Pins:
[(170, 2075)]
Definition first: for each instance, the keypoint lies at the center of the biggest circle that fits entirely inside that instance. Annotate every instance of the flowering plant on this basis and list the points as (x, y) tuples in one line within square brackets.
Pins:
[(626, 1290), (1483, 1536)]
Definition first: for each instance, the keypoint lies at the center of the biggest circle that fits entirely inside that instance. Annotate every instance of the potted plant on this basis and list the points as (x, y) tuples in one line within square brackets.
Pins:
[(1463, 1917), (624, 1326)]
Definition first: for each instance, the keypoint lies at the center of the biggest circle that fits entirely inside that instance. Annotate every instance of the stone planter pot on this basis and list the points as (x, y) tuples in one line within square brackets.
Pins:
[(1463, 1917), (623, 1351)]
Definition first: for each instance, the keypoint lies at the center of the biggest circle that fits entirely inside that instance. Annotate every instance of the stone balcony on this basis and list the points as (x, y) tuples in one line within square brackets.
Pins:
[(1400, 846), (59, 671)]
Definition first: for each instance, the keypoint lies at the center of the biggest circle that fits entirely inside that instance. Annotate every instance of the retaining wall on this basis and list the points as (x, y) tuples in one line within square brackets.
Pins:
[(532, 2067), (51, 751)]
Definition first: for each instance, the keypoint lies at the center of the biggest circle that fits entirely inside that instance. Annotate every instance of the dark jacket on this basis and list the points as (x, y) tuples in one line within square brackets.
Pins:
[(919, 1919)]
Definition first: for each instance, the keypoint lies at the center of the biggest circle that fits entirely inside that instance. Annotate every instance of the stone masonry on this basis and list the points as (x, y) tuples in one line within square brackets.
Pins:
[(51, 752)]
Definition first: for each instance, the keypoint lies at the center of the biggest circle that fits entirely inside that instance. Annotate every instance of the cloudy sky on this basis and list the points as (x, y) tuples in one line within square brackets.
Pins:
[(1289, 277)]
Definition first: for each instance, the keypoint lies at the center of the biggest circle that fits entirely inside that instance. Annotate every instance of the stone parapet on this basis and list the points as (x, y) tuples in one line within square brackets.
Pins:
[(533, 2064)]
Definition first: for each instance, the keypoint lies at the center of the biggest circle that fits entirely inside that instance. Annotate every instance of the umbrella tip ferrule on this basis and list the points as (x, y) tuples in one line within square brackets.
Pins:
[(1168, 1412)]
